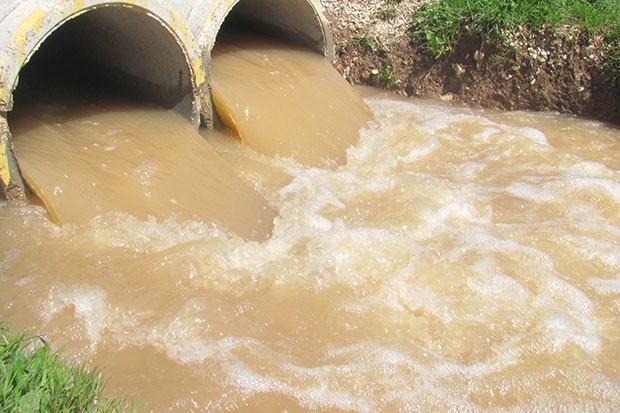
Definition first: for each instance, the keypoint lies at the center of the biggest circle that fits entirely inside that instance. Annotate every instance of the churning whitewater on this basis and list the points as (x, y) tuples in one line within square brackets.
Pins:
[(459, 260)]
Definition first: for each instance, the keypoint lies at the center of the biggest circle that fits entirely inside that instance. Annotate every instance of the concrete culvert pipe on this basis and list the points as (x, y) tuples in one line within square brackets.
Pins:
[(155, 50)]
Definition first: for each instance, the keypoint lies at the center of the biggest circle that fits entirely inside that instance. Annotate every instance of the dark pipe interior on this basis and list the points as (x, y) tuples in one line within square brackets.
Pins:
[(65, 68), (292, 21), (111, 52)]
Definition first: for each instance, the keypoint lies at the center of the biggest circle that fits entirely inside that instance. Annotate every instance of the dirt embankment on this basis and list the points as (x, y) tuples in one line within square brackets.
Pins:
[(558, 70)]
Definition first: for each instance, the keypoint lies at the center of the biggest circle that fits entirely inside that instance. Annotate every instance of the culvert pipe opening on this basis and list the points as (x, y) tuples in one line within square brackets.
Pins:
[(109, 52), (293, 21)]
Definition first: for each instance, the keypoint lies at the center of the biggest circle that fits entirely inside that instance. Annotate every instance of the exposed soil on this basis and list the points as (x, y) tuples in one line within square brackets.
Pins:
[(560, 69)]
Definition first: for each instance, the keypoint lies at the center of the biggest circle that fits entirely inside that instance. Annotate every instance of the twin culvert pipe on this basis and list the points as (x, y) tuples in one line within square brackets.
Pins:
[(159, 49)]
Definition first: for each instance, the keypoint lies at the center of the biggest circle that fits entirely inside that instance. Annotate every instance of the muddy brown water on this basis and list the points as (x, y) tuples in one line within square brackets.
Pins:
[(457, 260), (325, 120), (88, 160)]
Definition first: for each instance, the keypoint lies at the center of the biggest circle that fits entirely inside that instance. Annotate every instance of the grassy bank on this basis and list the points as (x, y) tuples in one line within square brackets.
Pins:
[(438, 26), (34, 379)]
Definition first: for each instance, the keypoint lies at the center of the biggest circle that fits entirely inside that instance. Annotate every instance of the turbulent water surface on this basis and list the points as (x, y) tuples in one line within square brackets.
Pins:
[(457, 261)]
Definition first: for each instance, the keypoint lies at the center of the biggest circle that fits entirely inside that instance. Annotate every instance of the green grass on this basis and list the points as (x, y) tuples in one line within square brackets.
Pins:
[(34, 379), (438, 25)]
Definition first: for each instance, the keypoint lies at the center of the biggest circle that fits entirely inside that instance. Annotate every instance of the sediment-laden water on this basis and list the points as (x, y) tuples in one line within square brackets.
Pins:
[(456, 260), (460, 261), (285, 101), (83, 161)]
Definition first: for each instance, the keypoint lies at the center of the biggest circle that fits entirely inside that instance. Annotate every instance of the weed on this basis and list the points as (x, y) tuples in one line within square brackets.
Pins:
[(386, 74), (34, 379), (364, 42), (367, 44)]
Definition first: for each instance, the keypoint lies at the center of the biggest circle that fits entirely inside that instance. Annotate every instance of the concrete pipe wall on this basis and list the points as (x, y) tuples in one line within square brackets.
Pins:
[(158, 50)]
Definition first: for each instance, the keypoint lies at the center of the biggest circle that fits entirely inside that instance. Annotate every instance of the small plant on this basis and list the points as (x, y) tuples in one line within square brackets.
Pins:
[(34, 379), (367, 44), (385, 75)]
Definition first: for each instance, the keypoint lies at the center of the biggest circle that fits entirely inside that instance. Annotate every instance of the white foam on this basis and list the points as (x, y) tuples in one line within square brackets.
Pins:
[(494, 285), (314, 394), (417, 152), (531, 192), (119, 229), (556, 331), (605, 286), (89, 302), (534, 135), (488, 133), (599, 246), (568, 317), (303, 199)]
